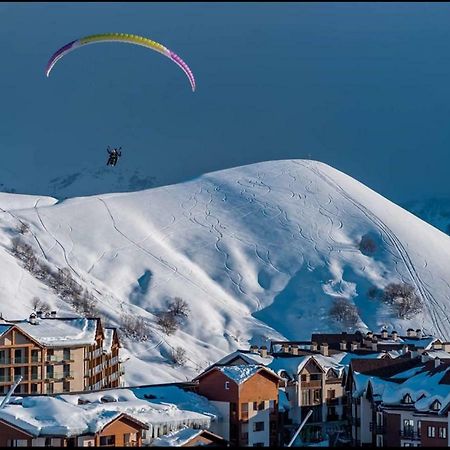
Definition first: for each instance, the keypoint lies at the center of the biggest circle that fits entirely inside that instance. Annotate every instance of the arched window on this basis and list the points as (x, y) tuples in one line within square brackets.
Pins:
[(436, 405), (407, 399)]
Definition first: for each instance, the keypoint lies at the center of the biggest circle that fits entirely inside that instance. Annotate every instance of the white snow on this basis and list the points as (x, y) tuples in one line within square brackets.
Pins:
[(240, 373), (64, 416), (258, 252), (54, 332), (177, 438)]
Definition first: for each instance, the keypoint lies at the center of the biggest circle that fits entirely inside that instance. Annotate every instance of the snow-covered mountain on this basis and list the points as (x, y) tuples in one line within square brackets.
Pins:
[(257, 252), (435, 211)]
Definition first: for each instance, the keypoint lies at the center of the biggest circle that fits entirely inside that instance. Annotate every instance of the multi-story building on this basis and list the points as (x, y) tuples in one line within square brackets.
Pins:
[(247, 397), (58, 355)]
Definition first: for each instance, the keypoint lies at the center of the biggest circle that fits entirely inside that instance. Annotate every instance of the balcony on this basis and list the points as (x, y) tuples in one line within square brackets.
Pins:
[(409, 434), (5, 379), (311, 384), (5, 361), (332, 401), (60, 376), (20, 360)]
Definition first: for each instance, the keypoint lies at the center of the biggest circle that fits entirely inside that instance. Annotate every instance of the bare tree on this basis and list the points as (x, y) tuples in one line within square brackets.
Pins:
[(344, 311), (179, 308), (167, 322), (23, 228), (367, 245), (179, 356), (404, 299), (135, 327)]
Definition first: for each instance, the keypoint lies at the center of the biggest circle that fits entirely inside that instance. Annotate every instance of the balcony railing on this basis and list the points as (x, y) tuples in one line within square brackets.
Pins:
[(409, 434), (60, 376), (5, 361), (5, 379), (20, 360)]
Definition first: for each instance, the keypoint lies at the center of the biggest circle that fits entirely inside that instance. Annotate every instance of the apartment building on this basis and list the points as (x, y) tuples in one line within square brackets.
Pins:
[(55, 354), (247, 398)]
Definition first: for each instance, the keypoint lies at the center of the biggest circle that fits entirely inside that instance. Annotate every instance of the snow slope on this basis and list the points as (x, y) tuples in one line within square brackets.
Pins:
[(257, 252)]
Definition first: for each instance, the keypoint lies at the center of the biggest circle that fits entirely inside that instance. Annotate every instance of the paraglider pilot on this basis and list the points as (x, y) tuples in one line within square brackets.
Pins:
[(113, 156)]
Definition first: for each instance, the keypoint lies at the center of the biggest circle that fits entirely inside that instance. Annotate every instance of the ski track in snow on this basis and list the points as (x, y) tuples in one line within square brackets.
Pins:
[(431, 303)]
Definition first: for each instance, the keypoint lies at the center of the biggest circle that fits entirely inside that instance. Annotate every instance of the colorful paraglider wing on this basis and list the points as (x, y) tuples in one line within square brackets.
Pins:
[(125, 38)]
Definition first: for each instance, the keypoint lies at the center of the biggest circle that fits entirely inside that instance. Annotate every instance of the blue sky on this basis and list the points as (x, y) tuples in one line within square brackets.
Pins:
[(362, 87)]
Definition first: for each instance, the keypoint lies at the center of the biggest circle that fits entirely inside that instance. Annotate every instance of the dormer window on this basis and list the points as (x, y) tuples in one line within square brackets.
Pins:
[(227, 385), (436, 405), (407, 399)]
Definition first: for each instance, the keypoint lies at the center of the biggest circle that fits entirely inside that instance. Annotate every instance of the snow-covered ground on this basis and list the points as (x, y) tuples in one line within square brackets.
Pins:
[(257, 252)]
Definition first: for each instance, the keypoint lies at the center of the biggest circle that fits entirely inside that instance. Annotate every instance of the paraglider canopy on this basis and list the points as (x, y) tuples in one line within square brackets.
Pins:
[(124, 38)]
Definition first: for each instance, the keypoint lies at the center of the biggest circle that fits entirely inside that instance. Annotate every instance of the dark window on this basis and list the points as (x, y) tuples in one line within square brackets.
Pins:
[(34, 355), (317, 396), (258, 426), (261, 405), (258, 444), (66, 354), (255, 406), (49, 388), (66, 370), (108, 440), (66, 386), (34, 373), (315, 376), (331, 393), (34, 388), (303, 377), (431, 432), (50, 372), (3, 357)]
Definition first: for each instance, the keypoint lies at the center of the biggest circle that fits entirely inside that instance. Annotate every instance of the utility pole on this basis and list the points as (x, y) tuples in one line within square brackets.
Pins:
[(300, 428)]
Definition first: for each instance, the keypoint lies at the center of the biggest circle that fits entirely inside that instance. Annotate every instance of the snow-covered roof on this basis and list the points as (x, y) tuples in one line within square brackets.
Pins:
[(4, 328), (240, 373), (107, 343), (87, 413), (61, 332), (177, 438), (249, 357)]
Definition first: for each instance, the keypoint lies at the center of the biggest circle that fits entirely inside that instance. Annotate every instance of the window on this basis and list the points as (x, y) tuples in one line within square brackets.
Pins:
[(244, 407), (35, 356), (34, 373), (34, 388), (306, 397), (331, 393), (18, 356), (315, 377), (442, 432), (255, 406), (126, 438), (49, 388), (431, 432), (258, 426), (317, 398), (227, 385), (50, 372), (66, 370), (261, 406), (66, 386), (419, 426), (3, 358), (407, 399), (303, 377), (66, 354), (107, 440), (436, 405)]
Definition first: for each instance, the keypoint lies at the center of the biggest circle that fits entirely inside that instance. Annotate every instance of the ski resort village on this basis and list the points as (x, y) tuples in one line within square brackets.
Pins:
[(274, 304)]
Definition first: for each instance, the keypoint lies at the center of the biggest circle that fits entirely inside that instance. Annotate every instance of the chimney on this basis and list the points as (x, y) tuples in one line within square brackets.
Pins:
[(285, 348), (394, 335), (437, 362), (314, 346), (419, 333), (53, 314), (384, 333), (39, 314), (324, 349), (294, 349), (405, 350), (32, 319), (343, 345), (353, 346), (410, 332), (369, 335), (253, 349), (263, 351), (436, 345)]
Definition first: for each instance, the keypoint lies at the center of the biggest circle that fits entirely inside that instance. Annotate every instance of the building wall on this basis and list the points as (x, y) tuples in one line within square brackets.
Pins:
[(118, 428), (392, 424), (366, 419), (221, 426), (8, 433), (436, 441), (213, 387)]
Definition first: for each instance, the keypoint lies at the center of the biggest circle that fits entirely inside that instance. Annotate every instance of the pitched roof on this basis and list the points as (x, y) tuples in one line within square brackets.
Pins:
[(384, 367)]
